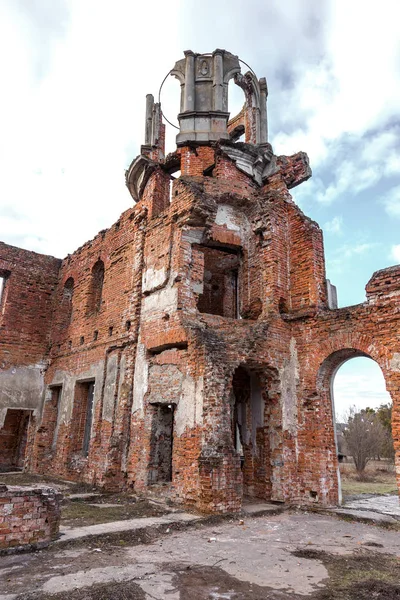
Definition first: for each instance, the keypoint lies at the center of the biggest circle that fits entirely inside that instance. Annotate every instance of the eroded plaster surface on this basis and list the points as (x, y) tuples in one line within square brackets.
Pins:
[(165, 299), (154, 279), (68, 382), (395, 362), (140, 382), (110, 387), (21, 387), (289, 378)]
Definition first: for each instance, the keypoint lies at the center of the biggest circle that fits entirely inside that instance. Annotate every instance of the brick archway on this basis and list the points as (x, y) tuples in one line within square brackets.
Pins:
[(341, 347), (335, 356), (332, 363)]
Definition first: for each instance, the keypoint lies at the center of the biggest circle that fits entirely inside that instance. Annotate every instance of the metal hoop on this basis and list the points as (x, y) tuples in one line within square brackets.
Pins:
[(159, 100)]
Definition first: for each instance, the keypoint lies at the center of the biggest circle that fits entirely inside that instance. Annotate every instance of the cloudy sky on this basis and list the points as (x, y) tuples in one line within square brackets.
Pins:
[(75, 74)]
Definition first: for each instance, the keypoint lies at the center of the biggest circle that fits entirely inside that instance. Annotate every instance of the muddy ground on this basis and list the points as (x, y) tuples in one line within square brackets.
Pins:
[(292, 556)]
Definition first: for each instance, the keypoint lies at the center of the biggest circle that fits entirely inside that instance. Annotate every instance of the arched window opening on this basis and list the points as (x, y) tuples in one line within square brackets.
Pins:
[(236, 108), (96, 288), (4, 275), (362, 414), (236, 98), (67, 302), (68, 291)]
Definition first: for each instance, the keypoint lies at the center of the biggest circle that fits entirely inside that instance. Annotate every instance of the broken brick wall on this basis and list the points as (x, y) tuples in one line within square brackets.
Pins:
[(174, 264), (29, 280), (324, 342), (165, 308), (96, 345), (307, 262), (228, 212), (30, 517)]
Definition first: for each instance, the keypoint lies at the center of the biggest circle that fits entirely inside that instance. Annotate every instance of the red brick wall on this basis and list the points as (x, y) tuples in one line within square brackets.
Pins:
[(195, 160), (307, 263), (324, 343)]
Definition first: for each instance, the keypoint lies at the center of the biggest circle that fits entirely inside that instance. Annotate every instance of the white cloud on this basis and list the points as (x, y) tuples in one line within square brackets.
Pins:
[(392, 202), (359, 163), (395, 253), (347, 103), (381, 144), (334, 225), (355, 88), (69, 131), (76, 74), (350, 178), (346, 253)]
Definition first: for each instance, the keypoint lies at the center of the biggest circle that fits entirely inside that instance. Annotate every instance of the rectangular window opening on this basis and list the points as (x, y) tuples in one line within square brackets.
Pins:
[(220, 294), (89, 418), (83, 416)]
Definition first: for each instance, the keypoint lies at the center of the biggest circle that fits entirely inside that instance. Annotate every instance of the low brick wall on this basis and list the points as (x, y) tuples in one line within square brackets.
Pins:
[(29, 517)]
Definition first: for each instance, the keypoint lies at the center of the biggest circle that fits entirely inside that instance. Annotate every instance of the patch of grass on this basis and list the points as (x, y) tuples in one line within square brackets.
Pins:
[(79, 514), (353, 487), (378, 478), (30, 479), (361, 576)]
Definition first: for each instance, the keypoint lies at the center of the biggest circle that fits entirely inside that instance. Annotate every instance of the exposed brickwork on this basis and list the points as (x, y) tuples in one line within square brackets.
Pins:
[(29, 517), (195, 160), (26, 305), (201, 317)]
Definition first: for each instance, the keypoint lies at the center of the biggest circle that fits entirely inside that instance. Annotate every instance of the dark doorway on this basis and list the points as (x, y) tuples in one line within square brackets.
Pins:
[(161, 444), (13, 438), (249, 432)]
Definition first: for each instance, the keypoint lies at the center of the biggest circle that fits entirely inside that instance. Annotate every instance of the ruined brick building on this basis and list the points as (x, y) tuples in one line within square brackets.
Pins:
[(192, 345)]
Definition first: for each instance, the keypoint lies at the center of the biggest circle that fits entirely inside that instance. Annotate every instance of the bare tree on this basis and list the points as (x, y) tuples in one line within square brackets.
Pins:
[(364, 435), (384, 414)]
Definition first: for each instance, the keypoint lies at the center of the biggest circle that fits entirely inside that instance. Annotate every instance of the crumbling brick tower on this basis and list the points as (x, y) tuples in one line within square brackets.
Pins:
[(193, 344)]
